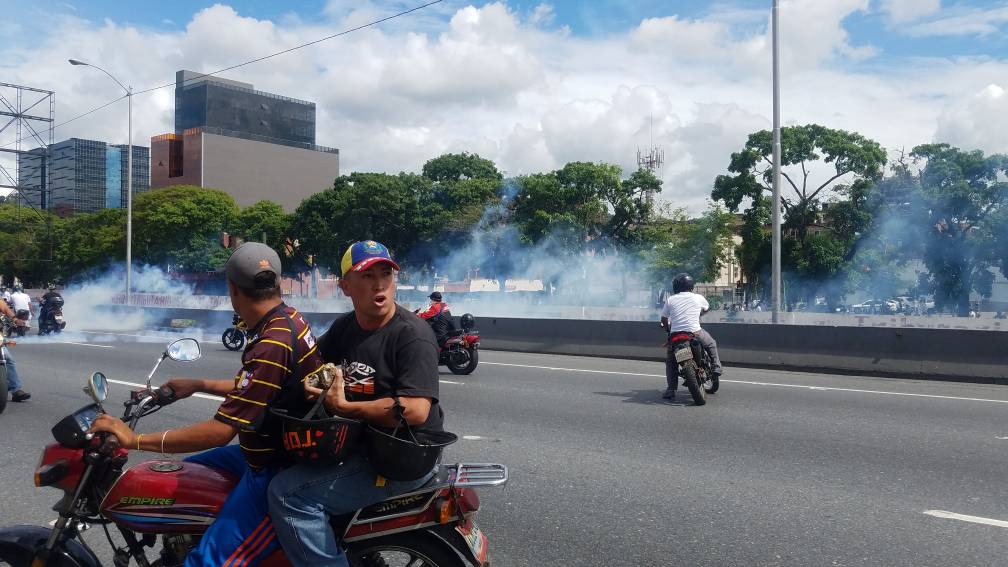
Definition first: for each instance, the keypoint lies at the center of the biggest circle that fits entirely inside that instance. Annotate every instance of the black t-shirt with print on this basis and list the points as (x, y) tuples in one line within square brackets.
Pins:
[(400, 357)]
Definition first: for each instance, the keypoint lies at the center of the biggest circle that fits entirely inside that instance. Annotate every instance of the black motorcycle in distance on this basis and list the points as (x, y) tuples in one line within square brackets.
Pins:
[(694, 365), (51, 316)]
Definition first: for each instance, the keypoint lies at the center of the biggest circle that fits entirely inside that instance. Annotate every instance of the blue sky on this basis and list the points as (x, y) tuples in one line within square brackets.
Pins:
[(584, 18), (534, 86)]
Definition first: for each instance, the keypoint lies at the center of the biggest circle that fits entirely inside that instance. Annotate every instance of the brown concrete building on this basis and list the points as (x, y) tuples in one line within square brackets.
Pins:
[(250, 144), (248, 170)]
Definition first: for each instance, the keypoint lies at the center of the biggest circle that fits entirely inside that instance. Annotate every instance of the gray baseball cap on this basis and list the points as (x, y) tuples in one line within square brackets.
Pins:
[(249, 260)]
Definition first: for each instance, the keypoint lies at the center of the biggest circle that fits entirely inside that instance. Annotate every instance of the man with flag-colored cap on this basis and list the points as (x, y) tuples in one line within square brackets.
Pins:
[(390, 354)]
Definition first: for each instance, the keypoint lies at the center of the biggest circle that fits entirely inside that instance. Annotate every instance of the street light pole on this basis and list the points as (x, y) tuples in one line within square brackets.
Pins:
[(129, 180), (776, 247), (129, 203)]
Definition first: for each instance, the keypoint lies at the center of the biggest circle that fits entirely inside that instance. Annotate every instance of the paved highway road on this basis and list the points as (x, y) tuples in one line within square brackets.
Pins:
[(780, 468)]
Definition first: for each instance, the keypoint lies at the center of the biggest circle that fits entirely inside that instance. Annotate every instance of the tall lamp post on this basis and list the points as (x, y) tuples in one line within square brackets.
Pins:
[(129, 181), (776, 245)]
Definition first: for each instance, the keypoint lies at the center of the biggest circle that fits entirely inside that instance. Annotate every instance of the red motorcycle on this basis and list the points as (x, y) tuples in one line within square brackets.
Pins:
[(460, 351), (175, 501)]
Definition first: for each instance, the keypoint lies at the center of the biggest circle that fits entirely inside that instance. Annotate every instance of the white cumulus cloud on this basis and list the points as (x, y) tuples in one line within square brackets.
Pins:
[(518, 89)]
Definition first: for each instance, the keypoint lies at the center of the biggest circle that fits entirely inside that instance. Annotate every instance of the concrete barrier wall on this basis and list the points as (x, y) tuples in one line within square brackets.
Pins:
[(920, 353)]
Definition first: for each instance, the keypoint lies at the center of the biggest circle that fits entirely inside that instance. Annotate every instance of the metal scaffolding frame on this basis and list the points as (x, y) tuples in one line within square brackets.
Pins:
[(30, 126)]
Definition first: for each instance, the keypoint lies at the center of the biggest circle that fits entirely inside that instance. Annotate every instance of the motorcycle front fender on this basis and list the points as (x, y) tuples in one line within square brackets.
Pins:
[(22, 541)]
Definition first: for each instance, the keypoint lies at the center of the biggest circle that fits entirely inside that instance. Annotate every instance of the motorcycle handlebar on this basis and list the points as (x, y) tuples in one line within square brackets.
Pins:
[(164, 395)]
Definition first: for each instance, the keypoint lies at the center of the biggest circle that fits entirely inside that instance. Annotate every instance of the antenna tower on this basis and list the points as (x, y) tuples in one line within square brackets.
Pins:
[(652, 159)]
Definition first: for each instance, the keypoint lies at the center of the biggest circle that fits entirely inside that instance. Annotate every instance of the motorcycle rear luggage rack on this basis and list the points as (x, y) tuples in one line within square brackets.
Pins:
[(479, 474)]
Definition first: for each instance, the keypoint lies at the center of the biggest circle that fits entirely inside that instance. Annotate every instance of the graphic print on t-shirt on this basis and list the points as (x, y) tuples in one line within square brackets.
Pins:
[(359, 378)]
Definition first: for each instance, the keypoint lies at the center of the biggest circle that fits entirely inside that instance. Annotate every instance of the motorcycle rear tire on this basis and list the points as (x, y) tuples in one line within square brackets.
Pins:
[(425, 547), (689, 374), (3, 387), (465, 368), (233, 339)]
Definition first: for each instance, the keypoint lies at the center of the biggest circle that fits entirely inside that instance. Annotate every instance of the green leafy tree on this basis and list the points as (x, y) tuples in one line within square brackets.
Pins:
[(631, 207), (181, 226), (962, 196), (362, 206), (25, 243), (88, 241), (566, 206), (464, 187), (700, 246), (816, 240), (754, 253), (264, 221), (458, 167), (886, 231)]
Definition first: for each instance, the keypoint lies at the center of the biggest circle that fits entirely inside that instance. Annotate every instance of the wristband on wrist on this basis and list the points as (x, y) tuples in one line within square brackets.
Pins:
[(139, 437)]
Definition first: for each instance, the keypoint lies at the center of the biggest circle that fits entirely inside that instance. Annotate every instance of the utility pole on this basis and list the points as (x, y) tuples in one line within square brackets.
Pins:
[(776, 277)]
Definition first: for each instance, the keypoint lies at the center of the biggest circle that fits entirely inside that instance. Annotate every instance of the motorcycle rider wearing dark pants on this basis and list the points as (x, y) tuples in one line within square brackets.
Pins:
[(45, 312), (389, 352), (681, 313), (13, 380), (270, 377), (439, 317)]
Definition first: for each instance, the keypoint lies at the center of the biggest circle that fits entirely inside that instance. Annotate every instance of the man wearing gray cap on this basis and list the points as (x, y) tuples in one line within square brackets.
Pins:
[(280, 352)]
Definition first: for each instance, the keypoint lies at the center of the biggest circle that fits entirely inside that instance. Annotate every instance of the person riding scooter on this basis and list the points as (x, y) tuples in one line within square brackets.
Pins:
[(681, 313), (439, 317)]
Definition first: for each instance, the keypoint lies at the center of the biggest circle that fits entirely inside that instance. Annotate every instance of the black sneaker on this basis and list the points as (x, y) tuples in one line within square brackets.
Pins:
[(668, 395), (20, 396)]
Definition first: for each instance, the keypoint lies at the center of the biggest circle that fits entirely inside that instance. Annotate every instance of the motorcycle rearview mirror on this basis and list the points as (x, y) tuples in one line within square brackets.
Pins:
[(97, 388), (182, 350)]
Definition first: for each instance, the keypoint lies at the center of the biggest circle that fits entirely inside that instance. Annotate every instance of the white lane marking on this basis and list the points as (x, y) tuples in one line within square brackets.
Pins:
[(84, 344), (752, 383), (965, 518), (197, 395), (450, 382), (471, 437), (1002, 438)]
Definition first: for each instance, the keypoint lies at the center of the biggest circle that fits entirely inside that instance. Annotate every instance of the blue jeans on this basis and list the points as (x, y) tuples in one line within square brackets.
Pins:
[(242, 534), (13, 381), (302, 497)]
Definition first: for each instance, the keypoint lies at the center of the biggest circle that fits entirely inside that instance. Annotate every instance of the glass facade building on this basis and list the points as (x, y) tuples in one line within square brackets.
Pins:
[(87, 175), (236, 109)]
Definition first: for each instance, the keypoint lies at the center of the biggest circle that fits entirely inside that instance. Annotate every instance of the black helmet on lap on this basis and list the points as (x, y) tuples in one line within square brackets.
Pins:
[(682, 282)]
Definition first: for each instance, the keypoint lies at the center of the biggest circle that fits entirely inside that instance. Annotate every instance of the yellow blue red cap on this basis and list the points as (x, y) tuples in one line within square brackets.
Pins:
[(365, 253)]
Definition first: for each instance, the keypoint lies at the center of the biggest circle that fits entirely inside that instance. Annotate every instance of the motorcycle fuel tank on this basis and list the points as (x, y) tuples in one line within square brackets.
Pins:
[(167, 497)]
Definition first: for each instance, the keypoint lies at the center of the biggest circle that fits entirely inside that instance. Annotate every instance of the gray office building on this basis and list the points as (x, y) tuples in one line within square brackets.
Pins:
[(241, 111), (250, 144), (83, 176)]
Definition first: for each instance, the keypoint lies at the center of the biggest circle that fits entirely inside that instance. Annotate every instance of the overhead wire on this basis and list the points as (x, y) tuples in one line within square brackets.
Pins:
[(249, 62), (301, 46)]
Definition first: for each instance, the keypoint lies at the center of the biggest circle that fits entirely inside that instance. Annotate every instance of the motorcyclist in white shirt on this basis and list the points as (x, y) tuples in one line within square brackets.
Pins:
[(21, 301), (681, 312)]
